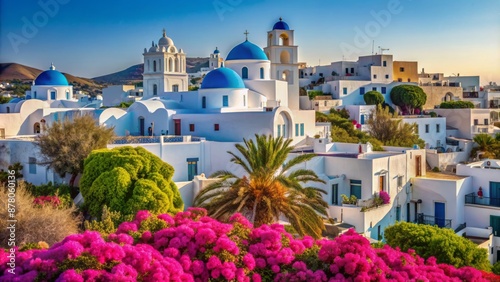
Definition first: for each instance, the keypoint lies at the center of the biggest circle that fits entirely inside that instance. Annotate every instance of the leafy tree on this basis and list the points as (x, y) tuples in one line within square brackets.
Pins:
[(127, 180), (4, 100), (408, 97), (373, 98), (456, 105), (441, 243), (391, 131), (17, 168), (268, 192), (65, 144), (313, 93)]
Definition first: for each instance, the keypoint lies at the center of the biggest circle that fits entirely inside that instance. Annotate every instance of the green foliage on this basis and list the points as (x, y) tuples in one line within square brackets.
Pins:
[(109, 221), (433, 114), (391, 131), (16, 167), (441, 243), (436, 169), (302, 91), (314, 93), (456, 105), (64, 145), (353, 200), (193, 88), (408, 97), (62, 191), (127, 180), (85, 261), (266, 193), (4, 100), (373, 98), (125, 104), (496, 268)]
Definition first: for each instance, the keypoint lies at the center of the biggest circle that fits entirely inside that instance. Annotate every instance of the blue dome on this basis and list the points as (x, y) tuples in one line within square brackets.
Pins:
[(246, 51), (216, 51), (281, 25), (222, 78), (51, 77)]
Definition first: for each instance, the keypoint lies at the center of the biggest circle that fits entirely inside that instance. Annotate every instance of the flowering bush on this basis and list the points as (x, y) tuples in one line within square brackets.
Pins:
[(191, 246), (385, 197), (53, 201)]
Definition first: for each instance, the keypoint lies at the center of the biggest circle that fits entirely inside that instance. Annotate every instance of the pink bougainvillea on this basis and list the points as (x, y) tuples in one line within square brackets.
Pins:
[(385, 197), (195, 247), (53, 201)]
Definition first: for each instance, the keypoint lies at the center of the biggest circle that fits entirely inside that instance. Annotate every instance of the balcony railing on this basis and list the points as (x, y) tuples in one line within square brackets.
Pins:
[(155, 139), (432, 220), (473, 199)]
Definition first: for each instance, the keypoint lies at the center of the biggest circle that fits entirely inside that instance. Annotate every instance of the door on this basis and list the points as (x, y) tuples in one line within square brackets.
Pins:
[(439, 214), (177, 127), (398, 213), (418, 165), (141, 126), (408, 212), (192, 168), (362, 119), (52, 95), (495, 224), (335, 194), (381, 181), (495, 193)]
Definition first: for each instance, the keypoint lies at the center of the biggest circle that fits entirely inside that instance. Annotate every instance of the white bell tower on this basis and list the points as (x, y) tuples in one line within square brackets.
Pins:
[(284, 59)]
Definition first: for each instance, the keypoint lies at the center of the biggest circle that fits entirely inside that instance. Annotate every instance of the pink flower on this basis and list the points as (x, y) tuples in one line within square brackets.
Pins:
[(275, 268), (256, 277), (197, 267), (249, 261), (213, 262)]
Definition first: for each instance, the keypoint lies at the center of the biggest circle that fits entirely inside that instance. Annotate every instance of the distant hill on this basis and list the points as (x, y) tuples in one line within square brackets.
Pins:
[(11, 71), (133, 74)]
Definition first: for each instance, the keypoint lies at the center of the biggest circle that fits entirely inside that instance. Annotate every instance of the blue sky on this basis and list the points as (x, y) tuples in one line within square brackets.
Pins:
[(91, 38)]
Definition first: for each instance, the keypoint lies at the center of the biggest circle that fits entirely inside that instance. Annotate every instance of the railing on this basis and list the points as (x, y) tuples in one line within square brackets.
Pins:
[(136, 140), (432, 220), (473, 199)]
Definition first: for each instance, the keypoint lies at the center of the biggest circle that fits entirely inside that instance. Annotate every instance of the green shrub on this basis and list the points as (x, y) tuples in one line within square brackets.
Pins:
[(436, 169), (456, 105)]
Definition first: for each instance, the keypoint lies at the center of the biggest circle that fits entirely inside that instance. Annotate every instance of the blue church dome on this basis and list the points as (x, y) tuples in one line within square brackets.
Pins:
[(222, 78), (216, 51), (51, 77), (246, 51), (281, 25)]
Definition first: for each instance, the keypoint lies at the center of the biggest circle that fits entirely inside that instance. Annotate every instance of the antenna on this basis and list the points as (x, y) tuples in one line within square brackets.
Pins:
[(373, 44), (381, 50)]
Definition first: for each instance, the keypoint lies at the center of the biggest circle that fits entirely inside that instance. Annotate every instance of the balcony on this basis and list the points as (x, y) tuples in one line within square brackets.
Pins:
[(155, 139), (483, 128), (473, 199), (432, 220)]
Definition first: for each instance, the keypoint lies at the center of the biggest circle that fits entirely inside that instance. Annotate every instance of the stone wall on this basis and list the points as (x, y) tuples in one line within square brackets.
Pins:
[(438, 94)]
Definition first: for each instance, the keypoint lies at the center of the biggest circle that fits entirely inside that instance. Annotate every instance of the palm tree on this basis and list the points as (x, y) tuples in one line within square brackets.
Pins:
[(267, 192), (484, 142)]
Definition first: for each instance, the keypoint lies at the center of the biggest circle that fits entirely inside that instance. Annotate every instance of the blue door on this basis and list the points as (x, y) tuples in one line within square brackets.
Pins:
[(362, 119), (439, 214), (52, 95), (495, 194)]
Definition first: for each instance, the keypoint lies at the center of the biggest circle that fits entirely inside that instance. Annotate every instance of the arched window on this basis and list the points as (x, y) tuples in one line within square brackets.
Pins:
[(36, 128), (154, 65), (284, 39), (67, 95), (285, 57), (171, 63), (177, 65), (270, 39), (244, 73), (155, 89), (261, 73)]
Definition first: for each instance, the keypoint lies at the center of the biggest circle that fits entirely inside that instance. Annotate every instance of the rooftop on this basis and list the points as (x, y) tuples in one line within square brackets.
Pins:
[(441, 175)]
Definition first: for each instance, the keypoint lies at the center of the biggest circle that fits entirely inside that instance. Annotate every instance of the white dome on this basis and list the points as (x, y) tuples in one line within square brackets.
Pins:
[(165, 41)]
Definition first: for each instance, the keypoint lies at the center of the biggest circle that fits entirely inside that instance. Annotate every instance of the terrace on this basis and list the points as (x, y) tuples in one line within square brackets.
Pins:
[(474, 199), (432, 220)]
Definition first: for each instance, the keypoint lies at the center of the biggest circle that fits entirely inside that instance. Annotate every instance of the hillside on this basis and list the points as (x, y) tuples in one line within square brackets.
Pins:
[(133, 74), (11, 71)]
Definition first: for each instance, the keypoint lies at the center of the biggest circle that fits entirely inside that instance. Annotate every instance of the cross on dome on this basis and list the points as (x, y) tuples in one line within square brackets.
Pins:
[(52, 67), (246, 33), (164, 33)]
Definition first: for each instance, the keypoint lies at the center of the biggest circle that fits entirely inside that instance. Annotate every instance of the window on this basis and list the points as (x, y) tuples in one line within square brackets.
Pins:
[(344, 90), (352, 70), (398, 213), (384, 90), (400, 80), (279, 130), (204, 102), (182, 98), (284, 135), (401, 69), (409, 79), (154, 65), (437, 128), (32, 165), (356, 188), (374, 76), (400, 181), (8, 109), (34, 95), (155, 89), (476, 122), (361, 91), (301, 129), (191, 127), (346, 70), (335, 194), (296, 129), (192, 168), (175, 88), (244, 73), (52, 95), (225, 101), (486, 121), (244, 101), (216, 127), (261, 73), (67, 95), (384, 63), (386, 76), (374, 88), (426, 128)]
